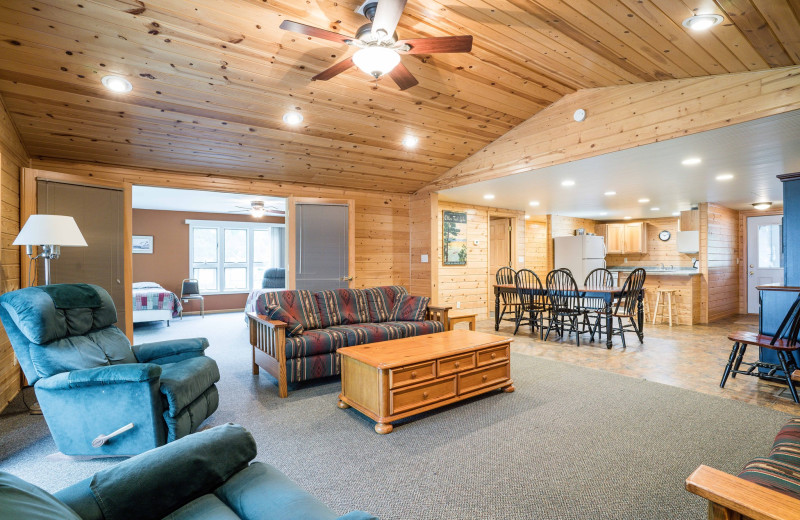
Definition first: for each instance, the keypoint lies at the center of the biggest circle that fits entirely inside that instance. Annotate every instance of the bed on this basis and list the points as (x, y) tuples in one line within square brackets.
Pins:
[(151, 302)]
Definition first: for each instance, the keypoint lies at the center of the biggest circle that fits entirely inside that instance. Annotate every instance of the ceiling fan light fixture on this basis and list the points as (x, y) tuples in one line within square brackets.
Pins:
[(376, 61), (701, 22)]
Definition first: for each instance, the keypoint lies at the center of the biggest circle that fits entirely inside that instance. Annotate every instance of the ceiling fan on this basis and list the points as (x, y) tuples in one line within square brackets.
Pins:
[(379, 50), (258, 209)]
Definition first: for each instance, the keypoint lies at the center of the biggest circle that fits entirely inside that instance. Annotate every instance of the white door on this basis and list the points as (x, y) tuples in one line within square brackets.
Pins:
[(764, 255)]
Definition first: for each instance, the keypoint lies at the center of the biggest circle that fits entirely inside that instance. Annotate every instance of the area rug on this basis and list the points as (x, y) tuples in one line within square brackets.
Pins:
[(570, 443)]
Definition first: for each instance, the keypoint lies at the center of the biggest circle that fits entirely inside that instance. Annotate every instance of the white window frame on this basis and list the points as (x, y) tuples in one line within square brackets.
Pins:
[(220, 264)]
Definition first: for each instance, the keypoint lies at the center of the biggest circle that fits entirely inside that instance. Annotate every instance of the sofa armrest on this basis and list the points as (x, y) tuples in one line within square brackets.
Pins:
[(102, 376), (726, 493), (268, 338), (436, 313), (170, 351)]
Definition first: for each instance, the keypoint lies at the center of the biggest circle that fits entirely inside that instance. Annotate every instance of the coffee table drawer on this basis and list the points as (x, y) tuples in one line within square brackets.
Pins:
[(492, 355), (411, 374), (421, 395), (483, 377), (454, 364)]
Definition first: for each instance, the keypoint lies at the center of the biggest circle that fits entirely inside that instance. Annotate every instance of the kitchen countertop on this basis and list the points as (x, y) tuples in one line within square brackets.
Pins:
[(656, 271)]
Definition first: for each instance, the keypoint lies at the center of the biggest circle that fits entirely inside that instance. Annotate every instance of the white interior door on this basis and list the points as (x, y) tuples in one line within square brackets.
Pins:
[(764, 255)]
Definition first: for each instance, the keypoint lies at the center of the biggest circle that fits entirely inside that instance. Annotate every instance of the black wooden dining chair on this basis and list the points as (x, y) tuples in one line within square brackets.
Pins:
[(507, 276), (625, 308), (565, 303), (533, 301), (599, 277)]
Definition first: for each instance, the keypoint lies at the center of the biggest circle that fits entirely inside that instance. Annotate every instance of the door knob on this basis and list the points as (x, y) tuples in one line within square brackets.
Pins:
[(751, 273), (346, 278), (751, 266)]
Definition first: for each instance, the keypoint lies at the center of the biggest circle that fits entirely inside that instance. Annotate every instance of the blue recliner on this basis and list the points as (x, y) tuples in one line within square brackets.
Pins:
[(90, 382), (206, 475)]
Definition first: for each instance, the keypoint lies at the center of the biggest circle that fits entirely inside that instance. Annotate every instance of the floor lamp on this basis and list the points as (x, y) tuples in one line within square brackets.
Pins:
[(49, 232)]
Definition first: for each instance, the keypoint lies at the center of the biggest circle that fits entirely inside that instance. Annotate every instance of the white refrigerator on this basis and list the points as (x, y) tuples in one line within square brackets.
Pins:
[(580, 254)]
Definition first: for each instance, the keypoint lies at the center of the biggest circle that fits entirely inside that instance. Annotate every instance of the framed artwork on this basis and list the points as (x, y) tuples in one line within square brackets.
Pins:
[(454, 238), (143, 244)]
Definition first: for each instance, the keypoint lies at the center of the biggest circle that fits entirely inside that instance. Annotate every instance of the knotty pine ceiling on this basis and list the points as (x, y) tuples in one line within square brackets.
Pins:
[(212, 78)]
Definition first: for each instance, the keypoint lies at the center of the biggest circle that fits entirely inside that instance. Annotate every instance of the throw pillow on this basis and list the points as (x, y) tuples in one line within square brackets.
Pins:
[(293, 327), (409, 308)]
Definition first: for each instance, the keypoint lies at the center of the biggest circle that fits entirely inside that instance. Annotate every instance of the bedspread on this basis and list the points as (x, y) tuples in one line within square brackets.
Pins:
[(149, 296)]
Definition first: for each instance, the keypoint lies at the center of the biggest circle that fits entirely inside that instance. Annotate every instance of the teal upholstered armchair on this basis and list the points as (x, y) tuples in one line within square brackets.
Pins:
[(90, 382), (206, 475)]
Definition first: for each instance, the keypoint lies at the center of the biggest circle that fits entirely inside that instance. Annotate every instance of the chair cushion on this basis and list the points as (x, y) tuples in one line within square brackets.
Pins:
[(293, 327), (381, 301), (789, 433), (342, 307), (20, 499), (314, 342), (417, 328), (301, 305), (369, 332), (207, 506), (409, 308), (98, 348), (773, 474), (185, 381)]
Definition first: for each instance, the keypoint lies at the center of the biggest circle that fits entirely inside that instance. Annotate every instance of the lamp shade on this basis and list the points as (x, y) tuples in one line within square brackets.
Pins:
[(376, 61), (51, 230)]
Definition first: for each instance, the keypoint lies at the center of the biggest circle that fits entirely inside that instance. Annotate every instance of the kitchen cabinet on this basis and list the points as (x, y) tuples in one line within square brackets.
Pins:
[(625, 238)]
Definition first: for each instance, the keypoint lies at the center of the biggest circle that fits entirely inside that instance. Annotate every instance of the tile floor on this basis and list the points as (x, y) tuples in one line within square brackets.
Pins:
[(691, 357)]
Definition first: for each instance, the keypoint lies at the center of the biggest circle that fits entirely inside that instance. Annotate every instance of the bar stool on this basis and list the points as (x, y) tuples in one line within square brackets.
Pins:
[(668, 299), (646, 305)]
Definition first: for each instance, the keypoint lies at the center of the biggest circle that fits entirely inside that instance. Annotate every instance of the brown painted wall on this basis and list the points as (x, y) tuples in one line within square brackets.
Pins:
[(169, 263)]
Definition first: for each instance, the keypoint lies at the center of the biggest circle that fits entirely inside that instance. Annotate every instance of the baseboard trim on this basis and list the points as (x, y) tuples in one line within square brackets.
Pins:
[(218, 311)]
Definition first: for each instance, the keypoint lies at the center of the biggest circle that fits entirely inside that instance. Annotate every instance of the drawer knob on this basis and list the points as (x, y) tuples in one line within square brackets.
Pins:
[(494, 355), (424, 395), (413, 375), (456, 364), (485, 377)]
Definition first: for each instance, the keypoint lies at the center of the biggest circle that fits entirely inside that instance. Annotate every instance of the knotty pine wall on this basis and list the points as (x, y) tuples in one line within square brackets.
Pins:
[(12, 159), (422, 223), (536, 240), (722, 258)]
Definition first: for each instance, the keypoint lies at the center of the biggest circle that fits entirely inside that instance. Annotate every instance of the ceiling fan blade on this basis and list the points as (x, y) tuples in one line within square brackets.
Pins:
[(436, 45), (288, 25), (335, 70), (401, 75), (387, 15)]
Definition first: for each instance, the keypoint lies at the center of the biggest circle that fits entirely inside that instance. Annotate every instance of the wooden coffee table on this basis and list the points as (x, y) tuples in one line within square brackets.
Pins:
[(390, 380)]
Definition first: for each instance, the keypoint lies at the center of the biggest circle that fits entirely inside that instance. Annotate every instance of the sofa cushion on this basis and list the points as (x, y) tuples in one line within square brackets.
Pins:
[(314, 342), (773, 474), (369, 332), (20, 499), (207, 506), (409, 308), (185, 381), (788, 452), (293, 327), (312, 367), (342, 307), (417, 328), (301, 305), (789, 433), (381, 301)]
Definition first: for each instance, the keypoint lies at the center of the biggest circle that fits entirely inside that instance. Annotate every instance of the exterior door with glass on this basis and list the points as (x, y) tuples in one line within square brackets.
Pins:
[(764, 255)]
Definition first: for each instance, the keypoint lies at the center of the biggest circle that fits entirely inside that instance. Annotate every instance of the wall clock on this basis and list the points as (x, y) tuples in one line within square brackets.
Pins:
[(664, 235)]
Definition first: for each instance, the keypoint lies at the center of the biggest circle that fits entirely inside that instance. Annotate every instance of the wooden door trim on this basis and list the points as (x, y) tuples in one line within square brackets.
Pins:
[(743, 216), (291, 228), (28, 207)]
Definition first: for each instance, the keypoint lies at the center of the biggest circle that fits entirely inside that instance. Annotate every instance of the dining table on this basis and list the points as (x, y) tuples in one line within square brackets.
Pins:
[(607, 294)]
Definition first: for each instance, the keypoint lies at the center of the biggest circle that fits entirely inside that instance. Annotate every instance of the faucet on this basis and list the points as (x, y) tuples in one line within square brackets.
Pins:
[(671, 267), (661, 266)]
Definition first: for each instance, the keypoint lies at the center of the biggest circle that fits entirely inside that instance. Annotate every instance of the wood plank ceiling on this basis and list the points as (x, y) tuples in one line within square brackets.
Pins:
[(212, 78)]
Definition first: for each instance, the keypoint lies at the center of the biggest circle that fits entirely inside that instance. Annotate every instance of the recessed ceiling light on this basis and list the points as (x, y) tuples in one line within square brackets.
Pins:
[(655, 209), (410, 141), (292, 118), (533, 203), (701, 22), (628, 218), (610, 193), (642, 201), (676, 213), (762, 205), (568, 183), (603, 213), (724, 177), (527, 217), (488, 196), (116, 84), (691, 161)]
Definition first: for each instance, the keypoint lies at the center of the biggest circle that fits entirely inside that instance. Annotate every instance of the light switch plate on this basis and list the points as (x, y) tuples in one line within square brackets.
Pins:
[(423, 259)]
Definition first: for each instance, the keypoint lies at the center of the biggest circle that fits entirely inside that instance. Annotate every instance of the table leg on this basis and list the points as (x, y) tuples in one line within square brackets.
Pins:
[(496, 309), (383, 428), (609, 325)]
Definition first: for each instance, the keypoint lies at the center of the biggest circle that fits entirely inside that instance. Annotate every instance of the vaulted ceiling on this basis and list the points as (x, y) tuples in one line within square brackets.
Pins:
[(212, 79)]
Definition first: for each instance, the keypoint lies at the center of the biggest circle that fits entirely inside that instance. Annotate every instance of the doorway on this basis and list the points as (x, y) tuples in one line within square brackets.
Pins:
[(500, 246), (322, 252), (764, 255)]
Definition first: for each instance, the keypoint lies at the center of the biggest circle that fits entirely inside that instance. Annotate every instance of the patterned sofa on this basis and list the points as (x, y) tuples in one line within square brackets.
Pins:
[(767, 487), (295, 334)]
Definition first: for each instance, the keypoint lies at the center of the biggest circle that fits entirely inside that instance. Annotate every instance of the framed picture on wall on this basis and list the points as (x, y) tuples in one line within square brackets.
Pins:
[(454, 238), (143, 244)]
